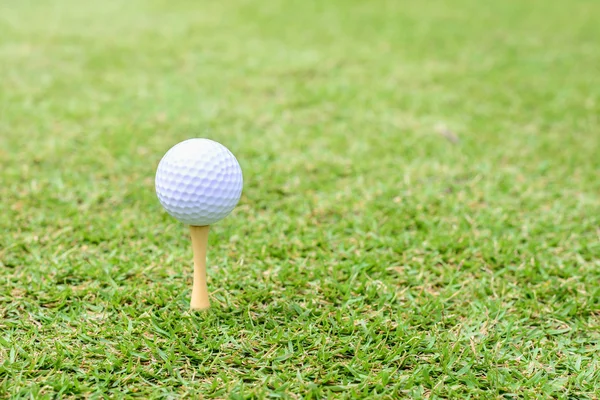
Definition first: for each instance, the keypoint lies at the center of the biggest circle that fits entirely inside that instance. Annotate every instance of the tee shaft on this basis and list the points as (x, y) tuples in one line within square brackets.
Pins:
[(200, 299)]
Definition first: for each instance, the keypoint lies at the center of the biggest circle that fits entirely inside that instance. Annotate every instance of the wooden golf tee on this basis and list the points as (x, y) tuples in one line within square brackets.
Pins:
[(200, 299)]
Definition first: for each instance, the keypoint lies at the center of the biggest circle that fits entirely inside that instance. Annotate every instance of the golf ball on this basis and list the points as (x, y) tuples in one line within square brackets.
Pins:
[(199, 182)]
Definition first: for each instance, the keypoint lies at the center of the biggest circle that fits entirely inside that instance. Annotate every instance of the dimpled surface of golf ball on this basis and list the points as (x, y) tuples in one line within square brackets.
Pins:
[(199, 182)]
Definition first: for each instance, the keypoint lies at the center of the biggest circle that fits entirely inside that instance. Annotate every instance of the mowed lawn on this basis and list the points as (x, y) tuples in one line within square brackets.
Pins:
[(420, 216)]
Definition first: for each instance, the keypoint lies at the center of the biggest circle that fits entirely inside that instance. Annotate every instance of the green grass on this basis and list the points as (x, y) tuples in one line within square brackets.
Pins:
[(420, 218)]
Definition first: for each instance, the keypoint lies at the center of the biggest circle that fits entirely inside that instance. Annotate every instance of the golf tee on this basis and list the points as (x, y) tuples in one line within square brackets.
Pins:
[(200, 299)]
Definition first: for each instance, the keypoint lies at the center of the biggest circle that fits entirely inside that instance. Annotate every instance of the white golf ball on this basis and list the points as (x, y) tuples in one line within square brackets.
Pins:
[(199, 182)]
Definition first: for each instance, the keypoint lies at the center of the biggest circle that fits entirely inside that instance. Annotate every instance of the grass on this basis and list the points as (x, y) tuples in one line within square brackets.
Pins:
[(420, 216)]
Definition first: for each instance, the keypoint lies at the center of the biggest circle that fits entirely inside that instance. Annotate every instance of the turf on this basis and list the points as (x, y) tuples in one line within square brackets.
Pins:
[(420, 216)]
